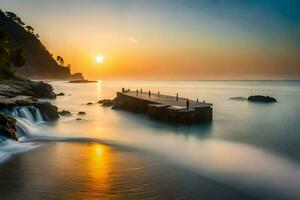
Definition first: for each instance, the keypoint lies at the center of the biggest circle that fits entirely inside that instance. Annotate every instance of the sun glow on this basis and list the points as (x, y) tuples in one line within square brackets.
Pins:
[(99, 59)]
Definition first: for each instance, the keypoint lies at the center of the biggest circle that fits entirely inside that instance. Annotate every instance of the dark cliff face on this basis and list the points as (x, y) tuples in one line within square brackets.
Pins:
[(39, 62)]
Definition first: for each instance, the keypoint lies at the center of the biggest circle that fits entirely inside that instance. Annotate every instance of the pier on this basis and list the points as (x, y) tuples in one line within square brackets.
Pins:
[(165, 107)]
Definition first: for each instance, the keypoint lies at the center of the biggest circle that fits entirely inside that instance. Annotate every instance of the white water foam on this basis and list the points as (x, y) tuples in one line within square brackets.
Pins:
[(28, 120)]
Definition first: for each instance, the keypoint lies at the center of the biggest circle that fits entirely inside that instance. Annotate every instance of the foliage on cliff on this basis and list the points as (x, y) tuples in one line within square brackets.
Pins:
[(24, 42)]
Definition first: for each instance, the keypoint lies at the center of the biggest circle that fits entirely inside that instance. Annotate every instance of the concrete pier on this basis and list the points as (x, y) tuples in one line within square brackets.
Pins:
[(164, 107)]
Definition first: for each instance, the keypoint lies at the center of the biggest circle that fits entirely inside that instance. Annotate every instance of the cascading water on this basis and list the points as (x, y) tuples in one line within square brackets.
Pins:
[(28, 119)]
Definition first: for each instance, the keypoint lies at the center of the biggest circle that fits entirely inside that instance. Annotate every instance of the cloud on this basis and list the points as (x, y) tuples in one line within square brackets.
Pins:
[(133, 40)]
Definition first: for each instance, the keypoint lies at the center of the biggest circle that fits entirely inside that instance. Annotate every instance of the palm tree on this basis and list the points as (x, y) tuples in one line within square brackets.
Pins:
[(60, 60)]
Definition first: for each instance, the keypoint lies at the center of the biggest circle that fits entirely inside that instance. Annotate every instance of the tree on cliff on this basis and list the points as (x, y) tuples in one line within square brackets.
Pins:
[(60, 60), (14, 17), (10, 59), (29, 29)]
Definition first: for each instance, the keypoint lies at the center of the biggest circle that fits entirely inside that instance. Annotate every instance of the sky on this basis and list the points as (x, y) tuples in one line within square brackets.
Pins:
[(169, 39)]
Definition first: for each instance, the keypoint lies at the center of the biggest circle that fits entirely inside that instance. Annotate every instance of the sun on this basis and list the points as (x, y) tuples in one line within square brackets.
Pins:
[(99, 59)]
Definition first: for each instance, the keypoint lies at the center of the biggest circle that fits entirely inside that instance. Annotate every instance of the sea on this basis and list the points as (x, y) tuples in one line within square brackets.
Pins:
[(249, 150)]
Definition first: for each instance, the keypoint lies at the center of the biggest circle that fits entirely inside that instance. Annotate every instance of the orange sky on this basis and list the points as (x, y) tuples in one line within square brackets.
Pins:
[(168, 39)]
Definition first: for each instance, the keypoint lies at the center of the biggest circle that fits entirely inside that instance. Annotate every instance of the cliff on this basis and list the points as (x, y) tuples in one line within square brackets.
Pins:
[(39, 63)]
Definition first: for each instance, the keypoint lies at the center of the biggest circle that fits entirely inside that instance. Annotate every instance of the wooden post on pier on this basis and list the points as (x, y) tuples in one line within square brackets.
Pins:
[(123, 90), (137, 92), (187, 104), (176, 96), (149, 93), (158, 93), (141, 91), (197, 100)]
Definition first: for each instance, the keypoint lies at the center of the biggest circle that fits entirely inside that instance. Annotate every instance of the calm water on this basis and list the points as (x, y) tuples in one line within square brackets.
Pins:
[(250, 150)]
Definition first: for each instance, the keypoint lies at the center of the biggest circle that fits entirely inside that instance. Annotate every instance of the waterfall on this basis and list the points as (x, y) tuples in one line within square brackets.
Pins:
[(28, 117)]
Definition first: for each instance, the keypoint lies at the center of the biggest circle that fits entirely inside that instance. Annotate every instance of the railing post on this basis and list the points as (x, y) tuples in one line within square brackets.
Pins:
[(176, 96), (137, 92), (149, 93), (141, 91), (158, 93), (187, 104)]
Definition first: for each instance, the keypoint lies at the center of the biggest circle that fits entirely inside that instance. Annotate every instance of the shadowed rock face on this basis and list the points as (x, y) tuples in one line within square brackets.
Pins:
[(261, 99), (7, 127)]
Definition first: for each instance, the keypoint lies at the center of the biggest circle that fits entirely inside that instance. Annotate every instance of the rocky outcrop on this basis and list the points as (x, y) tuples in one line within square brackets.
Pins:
[(107, 102), (77, 76), (7, 127), (15, 93), (262, 99), (13, 88), (48, 111)]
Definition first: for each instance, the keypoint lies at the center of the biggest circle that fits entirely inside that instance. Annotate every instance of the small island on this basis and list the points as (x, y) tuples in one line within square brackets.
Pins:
[(261, 99)]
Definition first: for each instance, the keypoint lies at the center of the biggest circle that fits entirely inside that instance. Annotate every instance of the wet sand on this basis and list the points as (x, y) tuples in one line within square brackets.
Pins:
[(64, 170)]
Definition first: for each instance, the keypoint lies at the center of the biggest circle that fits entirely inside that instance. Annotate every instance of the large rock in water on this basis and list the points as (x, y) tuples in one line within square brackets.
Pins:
[(48, 111), (262, 99)]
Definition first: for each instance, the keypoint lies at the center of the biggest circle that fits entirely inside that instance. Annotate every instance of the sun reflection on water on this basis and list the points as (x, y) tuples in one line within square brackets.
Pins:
[(99, 168)]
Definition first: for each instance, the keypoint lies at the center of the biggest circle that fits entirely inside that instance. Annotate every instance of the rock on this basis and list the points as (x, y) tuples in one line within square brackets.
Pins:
[(77, 76), (107, 102), (24, 93), (65, 113), (262, 99), (7, 127), (78, 119), (89, 103), (238, 98), (13, 88), (48, 111), (60, 94), (82, 81), (81, 113)]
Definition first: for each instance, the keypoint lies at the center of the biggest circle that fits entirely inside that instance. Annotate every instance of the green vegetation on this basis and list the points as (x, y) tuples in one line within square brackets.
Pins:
[(10, 59), (21, 43)]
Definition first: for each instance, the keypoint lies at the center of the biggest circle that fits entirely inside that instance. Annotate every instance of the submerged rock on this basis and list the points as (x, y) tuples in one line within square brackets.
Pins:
[(89, 103), (64, 113), (238, 98), (107, 102), (78, 119), (81, 113), (262, 99), (60, 94)]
